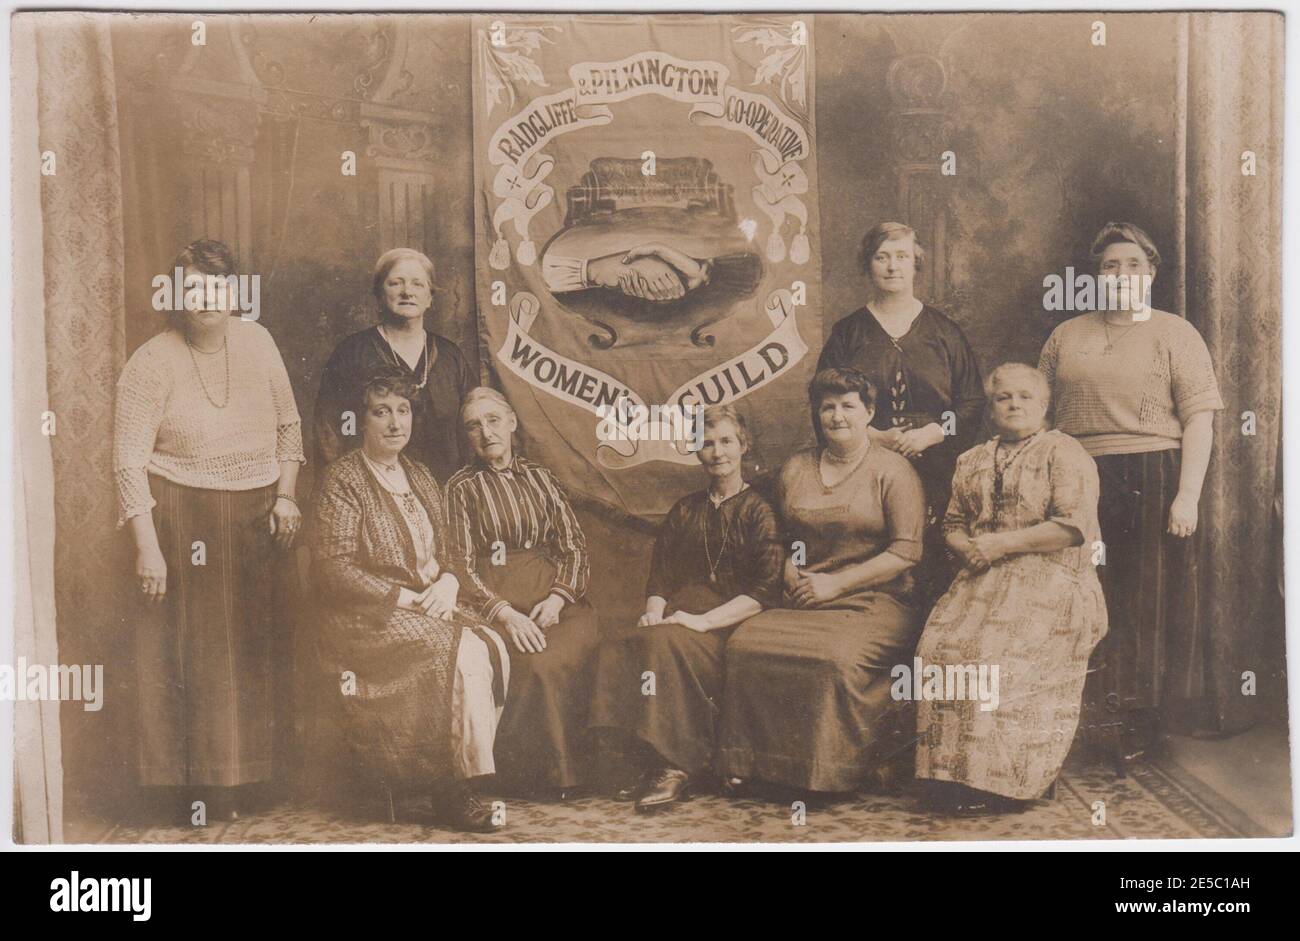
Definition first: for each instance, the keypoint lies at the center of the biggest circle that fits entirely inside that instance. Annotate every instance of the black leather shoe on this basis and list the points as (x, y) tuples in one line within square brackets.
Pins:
[(629, 787), (663, 787), (456, 806)]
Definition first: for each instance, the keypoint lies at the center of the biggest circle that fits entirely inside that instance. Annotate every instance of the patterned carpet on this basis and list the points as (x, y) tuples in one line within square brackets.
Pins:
[(1149, 803)]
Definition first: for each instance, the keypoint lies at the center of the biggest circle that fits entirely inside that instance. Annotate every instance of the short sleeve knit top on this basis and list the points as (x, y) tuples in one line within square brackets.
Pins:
[(1137, 395), (166, 422)]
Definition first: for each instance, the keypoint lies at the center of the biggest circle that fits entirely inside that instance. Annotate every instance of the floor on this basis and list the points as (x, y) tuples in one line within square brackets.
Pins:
[(1156, 799), (1237, 787), (1248, 775)]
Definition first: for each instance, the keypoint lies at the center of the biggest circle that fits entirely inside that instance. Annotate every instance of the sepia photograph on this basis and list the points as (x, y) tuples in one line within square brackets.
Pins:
[(603, 428)]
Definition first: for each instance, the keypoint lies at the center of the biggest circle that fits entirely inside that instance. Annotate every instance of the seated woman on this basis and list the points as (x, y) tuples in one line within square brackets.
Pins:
[(1023, 517), (525, 559), (429, 677), (716, 562), (807, 697)]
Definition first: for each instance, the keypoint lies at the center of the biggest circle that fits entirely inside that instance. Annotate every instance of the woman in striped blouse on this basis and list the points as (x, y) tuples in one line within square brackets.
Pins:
[(526, 559)]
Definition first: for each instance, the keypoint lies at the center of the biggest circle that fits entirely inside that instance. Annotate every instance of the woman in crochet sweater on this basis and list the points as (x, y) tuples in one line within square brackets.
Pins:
[(206, 450)]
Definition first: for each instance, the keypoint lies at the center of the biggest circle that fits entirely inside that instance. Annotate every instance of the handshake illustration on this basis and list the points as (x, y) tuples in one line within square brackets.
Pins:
[(652, 271)]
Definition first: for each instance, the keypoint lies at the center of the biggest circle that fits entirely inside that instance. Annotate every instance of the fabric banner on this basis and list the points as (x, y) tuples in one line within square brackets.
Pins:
[(647, 238)]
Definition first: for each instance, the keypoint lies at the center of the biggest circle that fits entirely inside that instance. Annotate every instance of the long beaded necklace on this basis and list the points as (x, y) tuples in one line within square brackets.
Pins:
[(726, 534), (399, 362), (225, 347), (1000, 467)]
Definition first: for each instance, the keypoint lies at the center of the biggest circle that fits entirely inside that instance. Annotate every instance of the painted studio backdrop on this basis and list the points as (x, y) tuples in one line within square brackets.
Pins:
[(567, 274), (646, 236)]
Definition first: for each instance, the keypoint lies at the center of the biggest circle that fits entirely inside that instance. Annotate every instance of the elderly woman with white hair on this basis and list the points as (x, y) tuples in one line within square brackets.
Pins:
[(525, 558), (403, 285), (1028, 603)]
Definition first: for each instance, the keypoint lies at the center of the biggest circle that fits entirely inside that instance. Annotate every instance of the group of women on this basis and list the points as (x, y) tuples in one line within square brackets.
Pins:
[(450, 583)]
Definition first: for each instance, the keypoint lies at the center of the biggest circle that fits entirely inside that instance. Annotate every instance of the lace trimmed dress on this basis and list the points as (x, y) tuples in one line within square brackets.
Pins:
[(428, 690)]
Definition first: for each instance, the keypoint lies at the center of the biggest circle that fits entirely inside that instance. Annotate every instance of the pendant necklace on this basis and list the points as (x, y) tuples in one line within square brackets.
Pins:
[(225, 347), (713, 564), (386, 469), (1110, 344)]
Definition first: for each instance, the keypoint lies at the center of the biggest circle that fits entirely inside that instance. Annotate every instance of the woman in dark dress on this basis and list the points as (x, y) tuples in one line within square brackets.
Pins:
[(403, 285), (525, 559), (931, 396), (716, 562)]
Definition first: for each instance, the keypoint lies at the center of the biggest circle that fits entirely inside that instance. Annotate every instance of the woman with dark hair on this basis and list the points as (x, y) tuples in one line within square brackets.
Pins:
[(525, 560), (430, 678), (807, 696), (717, 561), (403, 286), (1136, 387), (206, 450), (931, 397), (1027, 604)]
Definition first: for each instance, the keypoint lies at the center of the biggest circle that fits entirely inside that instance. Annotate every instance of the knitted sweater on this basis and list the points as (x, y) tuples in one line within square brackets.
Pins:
[(165, 423), (1137, 397)]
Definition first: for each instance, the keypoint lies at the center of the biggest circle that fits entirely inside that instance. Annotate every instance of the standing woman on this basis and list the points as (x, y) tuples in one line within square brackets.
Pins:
[(1023, 518), (807, 702), (922, 366), (717, 561), (206, 450), (1136, 387), (525, 560), (403, 286)]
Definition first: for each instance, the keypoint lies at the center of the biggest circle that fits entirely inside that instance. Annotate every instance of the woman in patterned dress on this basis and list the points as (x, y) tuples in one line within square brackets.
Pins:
[(928, 381), (1023, 518), (423, 679)]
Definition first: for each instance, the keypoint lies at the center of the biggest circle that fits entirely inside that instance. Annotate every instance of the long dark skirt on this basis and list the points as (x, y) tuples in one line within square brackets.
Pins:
[(541, 739), (204, 664), (937, 568), (807, 695), (1152, 654), (680, 720)]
